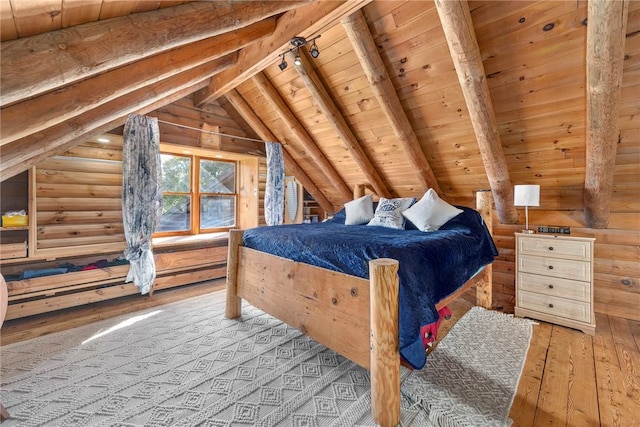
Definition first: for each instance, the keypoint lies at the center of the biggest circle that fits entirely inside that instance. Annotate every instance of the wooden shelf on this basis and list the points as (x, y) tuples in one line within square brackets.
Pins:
[(311, 212)]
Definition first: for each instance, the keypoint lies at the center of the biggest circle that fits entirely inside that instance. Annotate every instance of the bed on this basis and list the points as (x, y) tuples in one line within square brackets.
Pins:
[(358, 316)]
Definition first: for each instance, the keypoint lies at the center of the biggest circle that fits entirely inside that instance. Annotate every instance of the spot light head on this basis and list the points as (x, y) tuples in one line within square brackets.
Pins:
[(314, 50), (297, 61), (283, 64)]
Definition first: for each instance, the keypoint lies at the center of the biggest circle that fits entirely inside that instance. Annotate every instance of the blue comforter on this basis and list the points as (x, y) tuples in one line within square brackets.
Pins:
[(432, 265)]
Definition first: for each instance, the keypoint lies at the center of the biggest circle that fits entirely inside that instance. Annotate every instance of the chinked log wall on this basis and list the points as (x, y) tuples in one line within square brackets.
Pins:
[(76, 212)]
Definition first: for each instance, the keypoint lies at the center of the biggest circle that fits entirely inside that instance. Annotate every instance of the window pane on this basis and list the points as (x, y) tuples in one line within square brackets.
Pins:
[(217, 177), (217, 211), (176, 212), (176, 173)]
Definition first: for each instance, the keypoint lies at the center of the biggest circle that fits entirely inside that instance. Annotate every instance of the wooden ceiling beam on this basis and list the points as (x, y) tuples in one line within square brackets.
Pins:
[(304, 21), (606, 32), (300, 133), (246, 112), (43, 62), (465, 53), (367, 52), (15, 158), (321, 96), (49, 109)]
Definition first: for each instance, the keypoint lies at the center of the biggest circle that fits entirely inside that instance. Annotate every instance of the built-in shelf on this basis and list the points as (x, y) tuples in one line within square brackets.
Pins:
[(311, 211), (21, 227)]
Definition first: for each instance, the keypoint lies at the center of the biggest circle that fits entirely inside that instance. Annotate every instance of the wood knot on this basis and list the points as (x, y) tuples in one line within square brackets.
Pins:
[(334, 301), (354, 292), (550, 26)]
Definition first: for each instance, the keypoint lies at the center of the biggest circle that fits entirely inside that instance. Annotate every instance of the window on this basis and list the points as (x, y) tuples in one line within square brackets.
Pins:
[(199, 195)]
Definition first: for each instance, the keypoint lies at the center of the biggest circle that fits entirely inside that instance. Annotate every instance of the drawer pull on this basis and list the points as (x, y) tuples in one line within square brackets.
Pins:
[(550, 286), (550, 267), (550, 305), (550, 248)]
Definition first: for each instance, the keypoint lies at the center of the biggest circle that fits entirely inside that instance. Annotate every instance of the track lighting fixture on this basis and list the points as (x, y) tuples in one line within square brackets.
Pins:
[(298, 42)]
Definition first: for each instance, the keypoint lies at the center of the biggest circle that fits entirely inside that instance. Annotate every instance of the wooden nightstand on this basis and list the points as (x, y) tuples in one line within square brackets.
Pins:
[(554, 280)]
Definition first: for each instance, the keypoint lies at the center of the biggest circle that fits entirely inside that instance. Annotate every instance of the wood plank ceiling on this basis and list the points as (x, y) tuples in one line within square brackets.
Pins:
[(538, 92)]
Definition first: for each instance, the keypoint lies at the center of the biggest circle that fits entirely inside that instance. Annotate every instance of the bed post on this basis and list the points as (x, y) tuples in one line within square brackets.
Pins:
[(234, 302), (358, 191), (384, 341), (484, 286)]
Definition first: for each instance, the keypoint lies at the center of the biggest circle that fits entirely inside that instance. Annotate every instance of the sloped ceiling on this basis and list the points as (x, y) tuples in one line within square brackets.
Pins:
[(530, 104)]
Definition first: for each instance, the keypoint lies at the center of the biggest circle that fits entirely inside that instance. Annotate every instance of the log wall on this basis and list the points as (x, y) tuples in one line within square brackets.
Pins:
[(78, 198)]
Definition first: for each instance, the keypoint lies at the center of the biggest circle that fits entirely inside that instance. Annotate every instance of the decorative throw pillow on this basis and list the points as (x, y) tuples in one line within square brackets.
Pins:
[(389, 212), (359, 211), (430, 212)]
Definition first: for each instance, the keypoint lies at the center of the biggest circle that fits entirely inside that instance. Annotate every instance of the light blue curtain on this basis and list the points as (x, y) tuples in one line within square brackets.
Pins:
[(274, 191), (141, 196)]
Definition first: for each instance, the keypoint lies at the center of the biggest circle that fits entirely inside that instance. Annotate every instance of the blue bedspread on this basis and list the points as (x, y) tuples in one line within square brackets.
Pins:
[(432, 265)]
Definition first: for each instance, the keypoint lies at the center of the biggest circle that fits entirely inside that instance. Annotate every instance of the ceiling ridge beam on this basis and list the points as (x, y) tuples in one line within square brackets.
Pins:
[(366, 50), (26, 152), (323, 98), (246, 112), (606, 28), (304, 21), (43, 62), (301, 134), (465, 53), (49, 109)]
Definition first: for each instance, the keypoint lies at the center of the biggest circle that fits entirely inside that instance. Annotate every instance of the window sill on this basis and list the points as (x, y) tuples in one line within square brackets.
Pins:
[(163, 244)]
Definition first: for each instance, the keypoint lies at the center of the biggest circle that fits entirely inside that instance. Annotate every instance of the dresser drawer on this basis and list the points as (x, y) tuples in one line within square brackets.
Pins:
[(556, 248), (555, 267), (555, 286), (555, 306)]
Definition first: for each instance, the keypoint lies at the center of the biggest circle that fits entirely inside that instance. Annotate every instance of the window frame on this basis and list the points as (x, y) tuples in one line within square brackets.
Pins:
[(195, 194)]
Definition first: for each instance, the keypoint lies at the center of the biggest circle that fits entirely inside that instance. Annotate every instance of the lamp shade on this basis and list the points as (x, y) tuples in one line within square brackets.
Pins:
[(526, 195)]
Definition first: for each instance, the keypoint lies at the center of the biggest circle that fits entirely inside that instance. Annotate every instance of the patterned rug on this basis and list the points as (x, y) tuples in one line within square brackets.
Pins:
[(184, 364)]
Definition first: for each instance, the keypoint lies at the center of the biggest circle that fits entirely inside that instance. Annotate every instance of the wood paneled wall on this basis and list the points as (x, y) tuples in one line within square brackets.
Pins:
[(78, 199)]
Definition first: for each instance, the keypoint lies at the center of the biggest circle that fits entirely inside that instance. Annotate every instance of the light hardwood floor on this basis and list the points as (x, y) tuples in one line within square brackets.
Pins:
[(569, 379)]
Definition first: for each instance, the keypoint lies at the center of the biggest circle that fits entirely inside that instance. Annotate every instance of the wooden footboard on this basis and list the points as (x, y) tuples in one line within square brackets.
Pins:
[(355, 317)]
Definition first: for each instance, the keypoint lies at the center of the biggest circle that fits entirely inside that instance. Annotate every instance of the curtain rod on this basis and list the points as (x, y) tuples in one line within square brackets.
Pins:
[(216, 133)]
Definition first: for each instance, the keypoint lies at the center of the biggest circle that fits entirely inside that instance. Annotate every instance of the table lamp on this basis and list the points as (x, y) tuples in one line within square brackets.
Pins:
[(526, 195)]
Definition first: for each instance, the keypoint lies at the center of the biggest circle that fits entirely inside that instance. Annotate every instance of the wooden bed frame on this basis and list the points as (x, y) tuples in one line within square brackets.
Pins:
[(355, 317)]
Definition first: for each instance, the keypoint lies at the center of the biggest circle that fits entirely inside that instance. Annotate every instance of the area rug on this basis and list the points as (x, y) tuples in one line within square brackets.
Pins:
[(184, 364)]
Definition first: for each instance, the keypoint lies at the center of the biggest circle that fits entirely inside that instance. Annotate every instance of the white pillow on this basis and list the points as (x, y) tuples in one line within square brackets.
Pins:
[(359, 211), (431, 212), (389, 212)]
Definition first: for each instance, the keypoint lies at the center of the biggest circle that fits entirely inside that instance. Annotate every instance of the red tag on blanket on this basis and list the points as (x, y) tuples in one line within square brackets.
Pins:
[(429, 333)]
